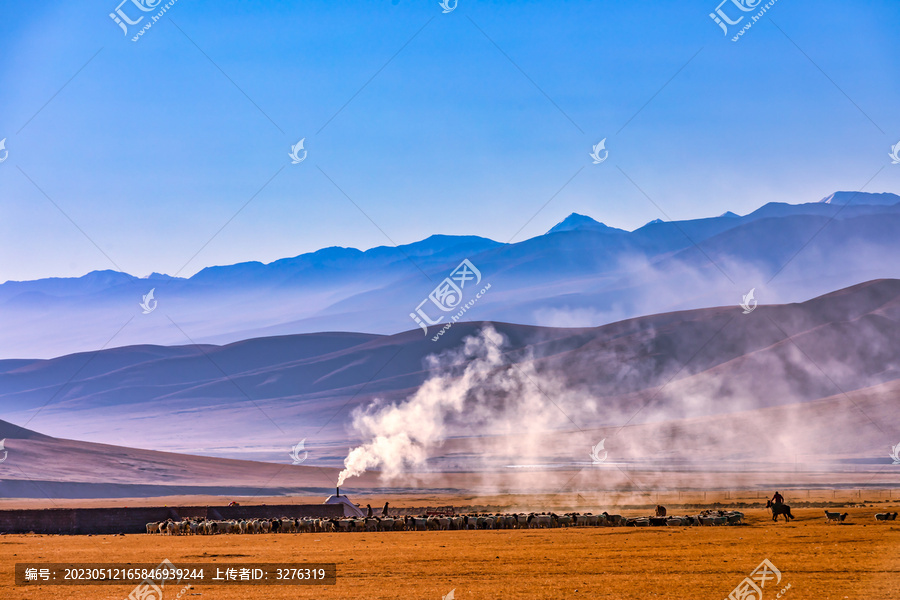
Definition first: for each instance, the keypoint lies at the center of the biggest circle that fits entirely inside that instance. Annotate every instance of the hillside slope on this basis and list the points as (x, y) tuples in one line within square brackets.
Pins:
[(255, 399)]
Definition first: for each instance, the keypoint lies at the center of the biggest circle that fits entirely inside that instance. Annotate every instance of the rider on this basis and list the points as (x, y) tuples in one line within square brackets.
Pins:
[(777, 498)]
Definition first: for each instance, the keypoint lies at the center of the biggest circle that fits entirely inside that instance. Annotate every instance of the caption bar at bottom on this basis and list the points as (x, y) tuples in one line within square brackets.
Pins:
[(30, 574)]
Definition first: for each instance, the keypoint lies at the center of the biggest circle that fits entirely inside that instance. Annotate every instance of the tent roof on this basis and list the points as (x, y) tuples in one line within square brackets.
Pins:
[(350, 509)]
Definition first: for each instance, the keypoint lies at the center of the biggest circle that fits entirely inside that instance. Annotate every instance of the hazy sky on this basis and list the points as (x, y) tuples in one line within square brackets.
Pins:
[(460, 123)]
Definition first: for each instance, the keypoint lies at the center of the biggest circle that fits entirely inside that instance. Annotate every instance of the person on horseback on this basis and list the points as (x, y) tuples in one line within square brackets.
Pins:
[(777, 498)]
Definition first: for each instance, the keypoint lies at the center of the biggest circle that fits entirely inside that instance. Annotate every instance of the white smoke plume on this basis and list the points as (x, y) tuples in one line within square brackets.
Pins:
[(476, 390)]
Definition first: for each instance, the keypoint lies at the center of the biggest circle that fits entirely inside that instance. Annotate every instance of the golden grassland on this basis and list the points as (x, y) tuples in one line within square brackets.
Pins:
[(857, 559)]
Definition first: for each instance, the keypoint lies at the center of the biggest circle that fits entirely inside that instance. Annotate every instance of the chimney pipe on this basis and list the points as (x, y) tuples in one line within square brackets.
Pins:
[(338, 491)]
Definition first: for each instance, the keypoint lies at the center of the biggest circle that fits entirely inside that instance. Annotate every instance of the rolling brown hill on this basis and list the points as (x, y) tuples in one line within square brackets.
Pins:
[(813, 383)]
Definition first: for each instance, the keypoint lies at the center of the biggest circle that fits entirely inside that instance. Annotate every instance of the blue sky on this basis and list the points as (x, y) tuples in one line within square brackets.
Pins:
[(470, 122)]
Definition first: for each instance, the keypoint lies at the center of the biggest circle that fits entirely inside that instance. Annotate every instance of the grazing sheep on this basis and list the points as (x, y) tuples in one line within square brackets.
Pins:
[(451, 522), (543, 521), (614, 520), (288, 526), (835, 517), (638, 522), (886, 516), (734, 517), (386, 525)]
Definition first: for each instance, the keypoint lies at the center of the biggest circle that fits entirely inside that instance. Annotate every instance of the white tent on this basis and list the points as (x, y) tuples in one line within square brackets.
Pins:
[(350, 509)]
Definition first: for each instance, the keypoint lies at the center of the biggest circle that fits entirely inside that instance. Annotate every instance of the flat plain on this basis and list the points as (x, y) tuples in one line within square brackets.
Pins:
[(855, 559)]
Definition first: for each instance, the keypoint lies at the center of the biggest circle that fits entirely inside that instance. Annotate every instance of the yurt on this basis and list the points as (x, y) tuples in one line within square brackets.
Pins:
[(350, 509)]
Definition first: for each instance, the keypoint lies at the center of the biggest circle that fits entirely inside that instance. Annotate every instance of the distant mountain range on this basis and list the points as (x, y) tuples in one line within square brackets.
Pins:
[(816, 378), (580, 273)]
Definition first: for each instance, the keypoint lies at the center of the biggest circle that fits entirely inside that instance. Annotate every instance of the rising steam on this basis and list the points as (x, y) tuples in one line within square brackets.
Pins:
[(475, 389)]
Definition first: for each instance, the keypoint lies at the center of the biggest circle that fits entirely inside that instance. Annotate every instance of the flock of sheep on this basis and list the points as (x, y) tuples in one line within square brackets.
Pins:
[(455, 522), (841, 517), (435, 523)]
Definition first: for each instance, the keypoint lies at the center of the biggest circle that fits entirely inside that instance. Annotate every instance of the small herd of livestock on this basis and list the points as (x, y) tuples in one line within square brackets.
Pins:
[(435, 523), (836, 517)]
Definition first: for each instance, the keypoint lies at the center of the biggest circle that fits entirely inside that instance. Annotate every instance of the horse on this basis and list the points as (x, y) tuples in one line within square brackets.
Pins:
[(780, 509)]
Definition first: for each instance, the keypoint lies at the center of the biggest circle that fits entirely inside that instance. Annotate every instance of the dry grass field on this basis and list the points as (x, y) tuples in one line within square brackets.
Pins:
[(857, 559)]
